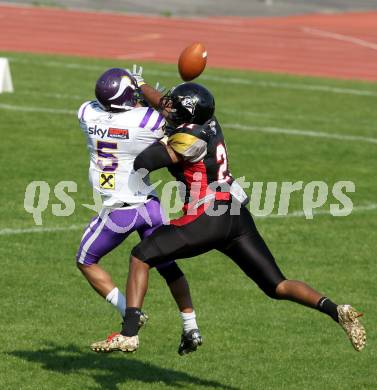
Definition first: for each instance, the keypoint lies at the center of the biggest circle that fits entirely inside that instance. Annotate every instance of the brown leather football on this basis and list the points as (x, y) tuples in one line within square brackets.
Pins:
[(192, 61)]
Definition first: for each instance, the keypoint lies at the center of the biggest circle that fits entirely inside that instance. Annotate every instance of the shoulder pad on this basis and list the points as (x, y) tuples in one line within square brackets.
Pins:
[(83, 108), (197, 131), (189, 146)]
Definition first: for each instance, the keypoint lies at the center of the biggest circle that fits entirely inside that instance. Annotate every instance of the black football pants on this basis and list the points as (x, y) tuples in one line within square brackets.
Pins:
[(234, 235)]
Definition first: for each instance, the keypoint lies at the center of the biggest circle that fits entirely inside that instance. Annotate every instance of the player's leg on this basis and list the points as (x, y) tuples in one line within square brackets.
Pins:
[(100, 237), (252, 255), (166, 244), (147, 217), (137, 286), (177, 283), (170, 271), (102, 282), (180, 290), (103, 235)]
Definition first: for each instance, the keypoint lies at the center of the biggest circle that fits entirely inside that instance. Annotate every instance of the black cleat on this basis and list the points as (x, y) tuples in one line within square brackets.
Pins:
[(190, 341)]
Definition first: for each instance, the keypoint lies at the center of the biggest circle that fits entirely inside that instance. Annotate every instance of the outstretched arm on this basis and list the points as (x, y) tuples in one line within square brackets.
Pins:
[(155, 157), (151, 95)]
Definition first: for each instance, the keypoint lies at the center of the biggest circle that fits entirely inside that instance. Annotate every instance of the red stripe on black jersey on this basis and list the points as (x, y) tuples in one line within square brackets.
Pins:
[(212, 169), (196, 180)]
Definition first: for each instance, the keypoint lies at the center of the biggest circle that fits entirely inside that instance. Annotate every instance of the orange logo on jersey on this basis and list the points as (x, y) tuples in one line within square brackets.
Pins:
[(118, 133)]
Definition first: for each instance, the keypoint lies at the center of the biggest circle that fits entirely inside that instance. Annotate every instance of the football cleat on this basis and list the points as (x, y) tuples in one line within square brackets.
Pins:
[(112, 342), (143, 320), (190, 341), (116, 342), (348, 319)]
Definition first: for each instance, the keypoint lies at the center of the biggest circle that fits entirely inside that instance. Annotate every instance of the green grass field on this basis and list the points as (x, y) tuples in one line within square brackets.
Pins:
[(49, 315)]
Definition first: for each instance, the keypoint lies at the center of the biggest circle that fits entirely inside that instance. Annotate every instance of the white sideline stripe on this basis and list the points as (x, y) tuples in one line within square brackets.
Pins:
[(276, 130), (217, 79), (304, 133), (37, 109), (53, 95), (79, 99), (278, 116), (5, 232), (293, 214), (280, 85), (324, 119), (300, 213), (340, 37)]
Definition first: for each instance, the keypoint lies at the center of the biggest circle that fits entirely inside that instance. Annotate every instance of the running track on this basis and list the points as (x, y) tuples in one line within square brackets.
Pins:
[(340, 45)]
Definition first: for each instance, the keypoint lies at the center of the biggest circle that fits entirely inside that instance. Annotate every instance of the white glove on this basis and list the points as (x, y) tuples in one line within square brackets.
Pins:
[(239, 193), (159, 88), (137, 74)]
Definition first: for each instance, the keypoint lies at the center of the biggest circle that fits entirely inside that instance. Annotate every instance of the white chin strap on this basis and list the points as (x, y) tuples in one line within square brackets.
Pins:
[(125, 108)]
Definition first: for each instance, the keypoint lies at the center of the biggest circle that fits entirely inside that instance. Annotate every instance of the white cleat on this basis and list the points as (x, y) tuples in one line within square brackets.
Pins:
[(349, 320), (116, 342), (112, 342)]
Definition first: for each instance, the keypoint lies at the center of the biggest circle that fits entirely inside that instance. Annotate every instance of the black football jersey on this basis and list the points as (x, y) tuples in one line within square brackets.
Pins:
[(204, 159)]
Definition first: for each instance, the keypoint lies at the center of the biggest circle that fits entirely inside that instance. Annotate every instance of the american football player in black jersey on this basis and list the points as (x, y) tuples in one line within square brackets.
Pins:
[(214, 216)]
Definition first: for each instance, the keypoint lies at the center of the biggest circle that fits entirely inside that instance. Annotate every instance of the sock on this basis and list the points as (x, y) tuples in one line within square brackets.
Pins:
[(116, 298), (325, 305), (188, 321), (131, 322)]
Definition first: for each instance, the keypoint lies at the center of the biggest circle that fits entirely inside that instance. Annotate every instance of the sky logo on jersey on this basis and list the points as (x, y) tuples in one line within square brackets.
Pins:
[(118, 133), (97, 131)]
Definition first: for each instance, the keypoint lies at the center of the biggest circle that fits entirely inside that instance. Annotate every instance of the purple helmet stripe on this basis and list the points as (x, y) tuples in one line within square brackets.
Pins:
[(157, 124), (147, 115), (116, 89)]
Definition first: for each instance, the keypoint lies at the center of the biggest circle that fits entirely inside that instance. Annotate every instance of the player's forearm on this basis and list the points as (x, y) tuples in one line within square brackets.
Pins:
[(154, 157), (151, 95)]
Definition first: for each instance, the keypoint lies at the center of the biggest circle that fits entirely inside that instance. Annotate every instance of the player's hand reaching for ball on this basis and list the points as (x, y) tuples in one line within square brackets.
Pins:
[(160, 88), (137, 73), (150, 94)]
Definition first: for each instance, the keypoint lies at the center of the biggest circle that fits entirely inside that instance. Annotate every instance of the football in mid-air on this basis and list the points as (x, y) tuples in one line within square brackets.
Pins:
[(192, 61)]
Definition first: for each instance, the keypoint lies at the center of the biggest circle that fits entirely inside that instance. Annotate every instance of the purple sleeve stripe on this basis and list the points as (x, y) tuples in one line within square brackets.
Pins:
[(147, 115), (157, 124), (83, 111)]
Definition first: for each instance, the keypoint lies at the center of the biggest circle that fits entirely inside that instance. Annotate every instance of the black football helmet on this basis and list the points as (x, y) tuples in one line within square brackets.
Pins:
[(188, 103)]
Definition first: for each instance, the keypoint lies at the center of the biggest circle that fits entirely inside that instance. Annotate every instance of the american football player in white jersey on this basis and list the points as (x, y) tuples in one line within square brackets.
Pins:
[(117, 128)]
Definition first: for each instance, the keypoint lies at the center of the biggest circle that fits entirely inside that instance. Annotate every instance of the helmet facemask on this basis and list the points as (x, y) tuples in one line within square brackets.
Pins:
[(177, 114), (188, 103)]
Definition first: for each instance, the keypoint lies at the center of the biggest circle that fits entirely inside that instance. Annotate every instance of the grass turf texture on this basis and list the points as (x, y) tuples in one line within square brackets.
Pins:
[(49, 315)]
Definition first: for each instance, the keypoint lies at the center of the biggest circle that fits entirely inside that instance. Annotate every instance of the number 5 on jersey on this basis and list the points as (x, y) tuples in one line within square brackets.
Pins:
[(108, 163), (102, 147)]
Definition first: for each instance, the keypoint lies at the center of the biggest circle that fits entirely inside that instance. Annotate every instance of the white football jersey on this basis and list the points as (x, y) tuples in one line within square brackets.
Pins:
[(114, 140)]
